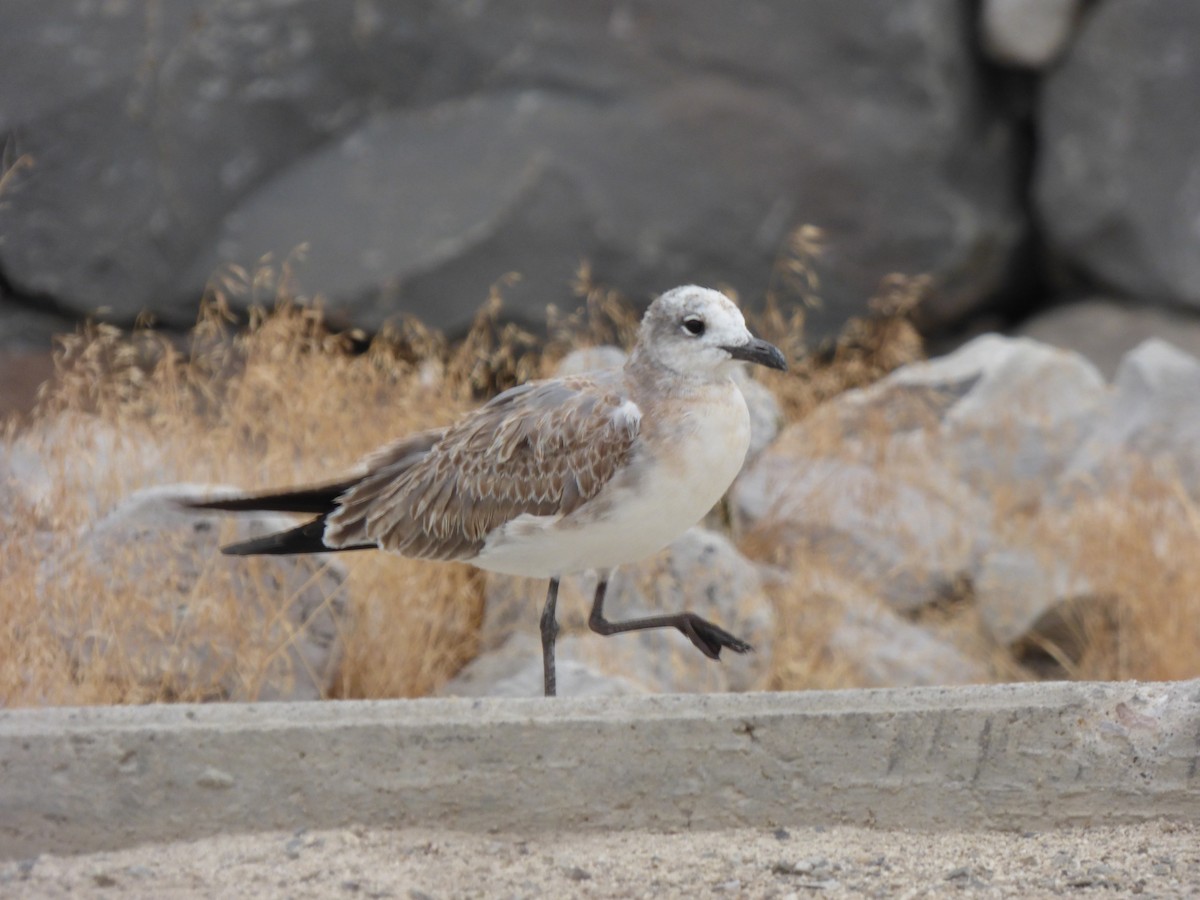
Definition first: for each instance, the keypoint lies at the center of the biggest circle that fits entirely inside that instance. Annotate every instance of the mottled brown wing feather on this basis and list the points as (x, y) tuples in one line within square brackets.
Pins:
[(543, 448)]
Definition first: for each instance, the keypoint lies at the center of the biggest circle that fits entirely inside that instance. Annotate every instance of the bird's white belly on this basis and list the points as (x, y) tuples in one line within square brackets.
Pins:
[(656, 499)]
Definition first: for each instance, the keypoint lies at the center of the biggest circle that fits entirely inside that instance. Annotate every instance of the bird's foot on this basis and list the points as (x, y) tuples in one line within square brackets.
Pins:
[(709, 638)]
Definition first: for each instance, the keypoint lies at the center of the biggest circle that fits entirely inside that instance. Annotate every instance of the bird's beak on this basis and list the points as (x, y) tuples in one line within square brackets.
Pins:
[(759, 352)]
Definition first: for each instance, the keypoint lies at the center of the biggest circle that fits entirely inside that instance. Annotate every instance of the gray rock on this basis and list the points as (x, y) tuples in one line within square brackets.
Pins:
[(183, 112), (993, 370), (515, 670), (11, 502), (899, 482), (1030, 34), (1029, 593), (912, 542), (26, 535), (142, 596), (29, 330), (1008, 413), (1115, 189), (701, 572), (1105, 330), (1154, 422), (1155, 369), (882, 649), (85, 459), (422, 152)]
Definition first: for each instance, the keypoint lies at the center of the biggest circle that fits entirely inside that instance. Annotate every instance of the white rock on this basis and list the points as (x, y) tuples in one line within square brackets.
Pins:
[(994, 374), (911, 542), (1027, 33), (885, 650), (1105, 329), (1154, 422), (1007, 414), (1025, 592), (898, 483), (84, 459), (515, 670)]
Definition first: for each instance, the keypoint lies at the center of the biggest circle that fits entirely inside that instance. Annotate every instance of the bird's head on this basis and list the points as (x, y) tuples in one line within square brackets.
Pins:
[(700, 332)]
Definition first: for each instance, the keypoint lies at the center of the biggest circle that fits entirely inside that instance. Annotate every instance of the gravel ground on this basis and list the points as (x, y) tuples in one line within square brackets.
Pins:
[(1155, 859)]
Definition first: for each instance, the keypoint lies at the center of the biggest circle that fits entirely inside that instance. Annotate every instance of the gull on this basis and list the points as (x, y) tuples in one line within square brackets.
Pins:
[(561, 476)]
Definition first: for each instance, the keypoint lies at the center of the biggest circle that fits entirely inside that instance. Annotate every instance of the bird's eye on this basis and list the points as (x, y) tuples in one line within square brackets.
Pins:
[(694, 325)]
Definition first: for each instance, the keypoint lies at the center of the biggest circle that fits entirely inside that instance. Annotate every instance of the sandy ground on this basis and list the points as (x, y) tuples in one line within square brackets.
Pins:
[(1157, 860)]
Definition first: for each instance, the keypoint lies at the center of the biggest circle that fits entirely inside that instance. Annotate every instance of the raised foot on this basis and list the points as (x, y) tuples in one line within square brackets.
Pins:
[(709, 638)]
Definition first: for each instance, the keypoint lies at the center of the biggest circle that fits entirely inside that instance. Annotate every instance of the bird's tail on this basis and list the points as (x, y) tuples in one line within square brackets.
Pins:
[(306, 538), (319, 500)]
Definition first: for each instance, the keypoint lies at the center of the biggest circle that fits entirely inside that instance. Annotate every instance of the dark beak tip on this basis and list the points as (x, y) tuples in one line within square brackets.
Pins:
[(777, 361), (761, 353)]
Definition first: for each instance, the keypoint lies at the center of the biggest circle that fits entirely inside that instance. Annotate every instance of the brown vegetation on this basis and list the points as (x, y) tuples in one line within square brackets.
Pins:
[(285, 400)]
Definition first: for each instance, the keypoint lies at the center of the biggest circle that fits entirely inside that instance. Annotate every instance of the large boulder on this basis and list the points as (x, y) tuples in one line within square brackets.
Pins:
[(1009, 413), (1105, 329), (1119, 140), (912, 542), (1153, 426), (879, 648), (1023, 588), (81, 461), (422, 151), (145, 127), (902, 482)]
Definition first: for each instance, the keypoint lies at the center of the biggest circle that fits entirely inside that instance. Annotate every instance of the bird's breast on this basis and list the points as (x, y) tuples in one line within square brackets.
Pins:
[(686, 456)]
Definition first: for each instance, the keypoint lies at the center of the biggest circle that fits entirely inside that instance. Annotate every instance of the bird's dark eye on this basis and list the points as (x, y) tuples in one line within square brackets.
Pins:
[(694, 325)]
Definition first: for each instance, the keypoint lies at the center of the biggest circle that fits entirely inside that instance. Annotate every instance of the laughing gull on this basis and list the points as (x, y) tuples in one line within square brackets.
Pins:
[(556, 477)]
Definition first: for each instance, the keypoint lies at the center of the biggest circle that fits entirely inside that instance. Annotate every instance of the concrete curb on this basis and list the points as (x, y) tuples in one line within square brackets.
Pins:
[(1027, 756)]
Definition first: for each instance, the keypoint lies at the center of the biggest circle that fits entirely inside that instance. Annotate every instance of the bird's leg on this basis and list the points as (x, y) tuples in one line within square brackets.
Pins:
[(549, 633), (704, 634)]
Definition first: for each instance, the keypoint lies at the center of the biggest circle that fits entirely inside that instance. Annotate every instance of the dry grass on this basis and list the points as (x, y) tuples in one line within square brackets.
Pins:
[(1135, 544), (866, 349), (282, 400), (285, 400), (1127, 542)]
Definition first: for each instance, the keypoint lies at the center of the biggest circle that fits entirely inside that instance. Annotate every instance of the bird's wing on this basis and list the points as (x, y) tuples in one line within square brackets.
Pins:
[(543, 448)]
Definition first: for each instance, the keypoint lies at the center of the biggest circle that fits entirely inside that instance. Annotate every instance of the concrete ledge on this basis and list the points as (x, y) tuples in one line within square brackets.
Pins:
[(1012, 757)]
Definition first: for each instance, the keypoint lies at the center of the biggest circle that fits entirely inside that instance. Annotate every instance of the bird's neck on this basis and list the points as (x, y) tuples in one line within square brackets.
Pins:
[(644, 370)]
